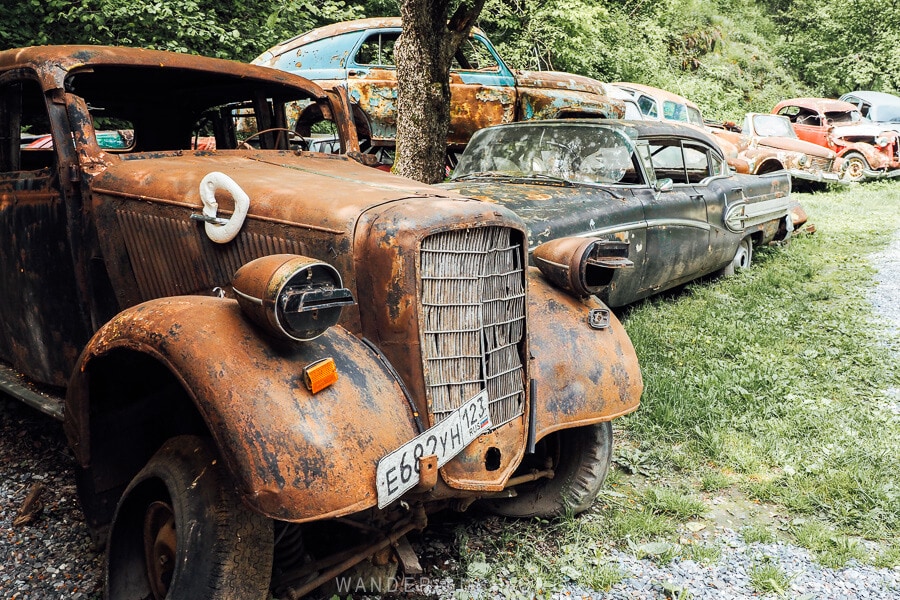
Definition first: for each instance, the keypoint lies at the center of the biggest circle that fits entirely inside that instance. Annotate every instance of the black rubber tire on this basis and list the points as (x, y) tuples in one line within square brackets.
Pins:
[(856, 164), (743, 256), (223, 550), (581, 458)]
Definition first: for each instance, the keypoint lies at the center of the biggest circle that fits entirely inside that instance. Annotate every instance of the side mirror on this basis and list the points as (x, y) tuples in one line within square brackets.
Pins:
[(664, 185)]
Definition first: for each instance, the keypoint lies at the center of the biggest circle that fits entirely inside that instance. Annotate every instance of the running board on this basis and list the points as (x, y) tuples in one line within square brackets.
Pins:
[(17, 386)]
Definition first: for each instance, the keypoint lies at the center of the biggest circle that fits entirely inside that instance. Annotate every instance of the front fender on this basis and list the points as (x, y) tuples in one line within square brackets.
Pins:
[(293, 455), (583, 375), (876, 159)]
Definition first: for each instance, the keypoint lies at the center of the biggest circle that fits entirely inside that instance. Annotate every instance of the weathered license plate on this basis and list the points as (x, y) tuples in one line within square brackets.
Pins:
[(398, 472)]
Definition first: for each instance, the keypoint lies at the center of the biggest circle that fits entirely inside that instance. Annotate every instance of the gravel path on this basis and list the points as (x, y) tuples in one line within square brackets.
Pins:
[(51, 557)]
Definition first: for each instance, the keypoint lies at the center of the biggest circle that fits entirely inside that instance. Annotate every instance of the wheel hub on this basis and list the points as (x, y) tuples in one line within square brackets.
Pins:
[(160, 546)]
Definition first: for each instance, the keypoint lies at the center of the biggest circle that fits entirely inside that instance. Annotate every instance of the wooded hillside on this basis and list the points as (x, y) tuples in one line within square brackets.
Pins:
[(729, 56)]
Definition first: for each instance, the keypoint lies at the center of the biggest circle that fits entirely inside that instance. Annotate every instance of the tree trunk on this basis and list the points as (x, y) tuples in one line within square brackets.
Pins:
[(423, 56)]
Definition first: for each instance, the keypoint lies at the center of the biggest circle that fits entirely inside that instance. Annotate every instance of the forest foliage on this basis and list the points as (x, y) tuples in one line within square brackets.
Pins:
[(729, 56)]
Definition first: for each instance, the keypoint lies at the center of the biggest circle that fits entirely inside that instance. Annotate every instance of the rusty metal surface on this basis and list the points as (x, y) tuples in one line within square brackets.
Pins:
[(388, 244), (294, 456), (820, 121), (480, 96), (124, 237), (53, 63), (600, 367)]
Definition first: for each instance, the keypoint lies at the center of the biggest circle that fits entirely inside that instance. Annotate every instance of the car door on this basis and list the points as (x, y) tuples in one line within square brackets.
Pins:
[(677, 226), (372, 82), (710, 179), (41, 325), (482, 90)]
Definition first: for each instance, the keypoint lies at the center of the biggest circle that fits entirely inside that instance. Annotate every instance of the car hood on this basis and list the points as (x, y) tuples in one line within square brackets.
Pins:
[(560, 80), (319, 191), (794, 145), (862, 129), (552, 211)]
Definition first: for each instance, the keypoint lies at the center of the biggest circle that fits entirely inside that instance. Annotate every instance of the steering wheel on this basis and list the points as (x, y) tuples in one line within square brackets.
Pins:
[(290, 132)]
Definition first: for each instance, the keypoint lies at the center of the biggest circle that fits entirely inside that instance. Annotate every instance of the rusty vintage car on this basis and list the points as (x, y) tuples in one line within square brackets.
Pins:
[(869, 150), (272, 364), (484, 90), (770, 143), (658, 195), (742, 156)]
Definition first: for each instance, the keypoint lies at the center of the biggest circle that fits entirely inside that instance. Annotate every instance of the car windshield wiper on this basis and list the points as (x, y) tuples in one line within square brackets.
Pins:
[(512, 177), (486, 175), (544, 177)]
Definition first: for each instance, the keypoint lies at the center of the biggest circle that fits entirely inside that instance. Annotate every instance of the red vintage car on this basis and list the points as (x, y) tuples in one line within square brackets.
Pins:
[(869, 150)]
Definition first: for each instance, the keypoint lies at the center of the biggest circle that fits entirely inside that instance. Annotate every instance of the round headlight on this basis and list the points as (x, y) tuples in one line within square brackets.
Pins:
[(881, 141), (582, 266), (291, 296)]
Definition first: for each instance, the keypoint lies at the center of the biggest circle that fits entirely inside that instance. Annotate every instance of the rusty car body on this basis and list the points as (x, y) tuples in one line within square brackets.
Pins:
[(869, 150), (743, 157), (252, 347), (484, 90), (658, 194), (763, 134)]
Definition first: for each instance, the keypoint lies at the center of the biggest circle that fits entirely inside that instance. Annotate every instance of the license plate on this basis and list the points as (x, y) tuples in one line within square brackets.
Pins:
[(398, 472)]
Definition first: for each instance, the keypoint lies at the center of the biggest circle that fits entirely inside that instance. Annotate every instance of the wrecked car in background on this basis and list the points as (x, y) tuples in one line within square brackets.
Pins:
[(661, 105), (643, 206), (272, 364), (743, 157), (878, 107), (770, 143), (869, 150), (484, 90)]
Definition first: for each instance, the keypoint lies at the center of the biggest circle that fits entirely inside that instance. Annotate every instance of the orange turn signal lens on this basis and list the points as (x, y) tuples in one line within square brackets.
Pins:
[(320, 374)]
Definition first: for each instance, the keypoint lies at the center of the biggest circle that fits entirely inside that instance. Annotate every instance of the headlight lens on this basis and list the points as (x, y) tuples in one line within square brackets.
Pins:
[(291, 296), (881, 141)]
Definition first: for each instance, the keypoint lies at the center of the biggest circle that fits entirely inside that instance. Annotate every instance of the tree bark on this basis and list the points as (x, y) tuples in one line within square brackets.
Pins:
[(423, 55)]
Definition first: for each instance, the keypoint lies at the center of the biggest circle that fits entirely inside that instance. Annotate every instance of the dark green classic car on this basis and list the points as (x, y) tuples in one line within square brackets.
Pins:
[(625, 209)]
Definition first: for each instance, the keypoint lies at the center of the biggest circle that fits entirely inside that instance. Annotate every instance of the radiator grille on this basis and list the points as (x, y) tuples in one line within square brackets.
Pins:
[(821, 163), (170, 257), (473, 303)]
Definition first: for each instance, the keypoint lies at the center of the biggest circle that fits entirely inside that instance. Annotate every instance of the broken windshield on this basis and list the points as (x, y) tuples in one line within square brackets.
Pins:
[(574, 152)]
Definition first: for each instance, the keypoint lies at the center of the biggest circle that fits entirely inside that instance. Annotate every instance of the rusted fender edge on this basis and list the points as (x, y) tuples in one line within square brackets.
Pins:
[(583, 375), (293, 456)]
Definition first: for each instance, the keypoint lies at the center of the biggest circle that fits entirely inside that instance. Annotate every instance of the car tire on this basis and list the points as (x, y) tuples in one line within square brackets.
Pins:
[(856, 166), (580, 459), (181, 531), (743, 256)]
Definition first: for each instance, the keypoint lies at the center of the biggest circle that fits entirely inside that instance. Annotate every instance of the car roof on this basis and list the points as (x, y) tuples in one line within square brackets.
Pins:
[(644, 129), (654, 91), (821, 105), (620, 93), (53, 64), (873, 97), (340, 28)]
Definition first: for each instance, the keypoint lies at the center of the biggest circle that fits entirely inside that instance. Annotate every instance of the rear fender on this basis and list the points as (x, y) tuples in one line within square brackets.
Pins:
[(582, 375), (293, 455)]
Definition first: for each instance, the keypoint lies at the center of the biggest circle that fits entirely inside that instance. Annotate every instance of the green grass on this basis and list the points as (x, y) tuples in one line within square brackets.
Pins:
[(768, 578), (778, 374), (765, 390), (757, 533)]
